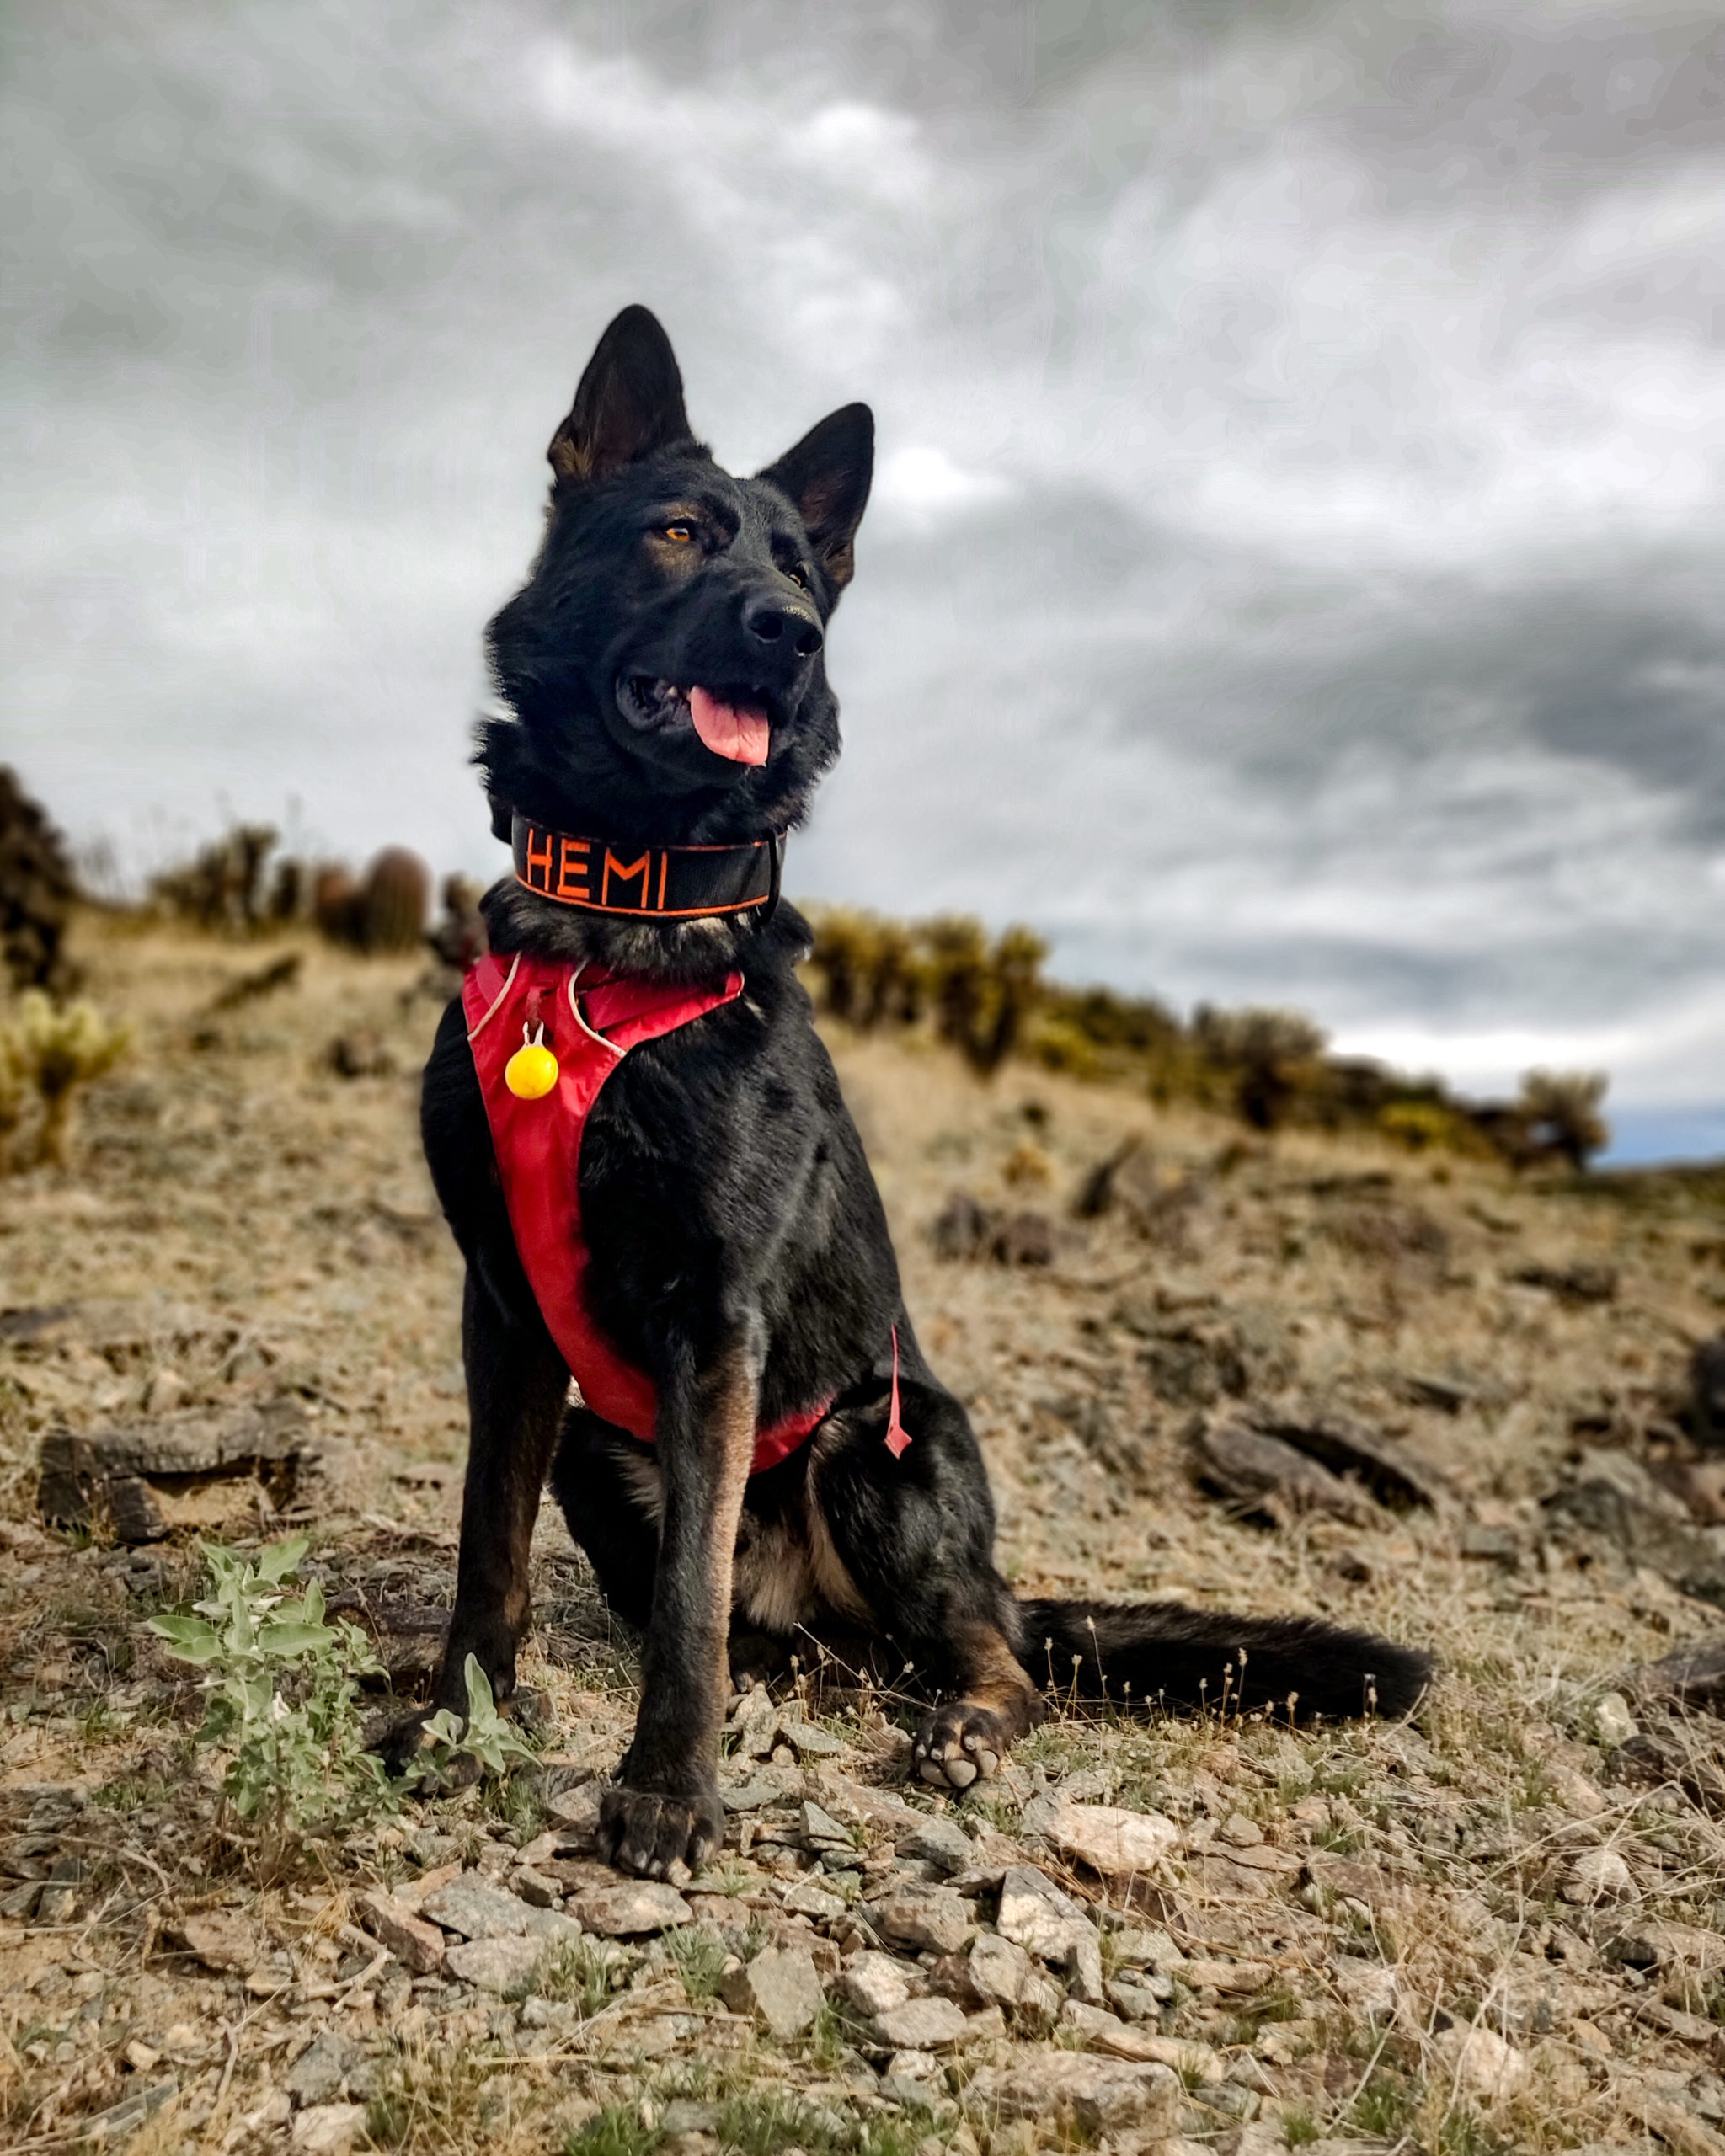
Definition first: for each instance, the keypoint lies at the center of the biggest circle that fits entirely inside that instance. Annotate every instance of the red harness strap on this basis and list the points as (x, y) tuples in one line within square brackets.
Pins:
[(538, 1148)]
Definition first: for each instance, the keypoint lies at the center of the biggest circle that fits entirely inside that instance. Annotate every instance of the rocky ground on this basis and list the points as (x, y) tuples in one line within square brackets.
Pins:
[(1306, 1375)]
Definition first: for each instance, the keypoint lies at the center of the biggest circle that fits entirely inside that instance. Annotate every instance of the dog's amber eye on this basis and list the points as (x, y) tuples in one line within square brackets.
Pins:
[(681, 532), (797, 578)]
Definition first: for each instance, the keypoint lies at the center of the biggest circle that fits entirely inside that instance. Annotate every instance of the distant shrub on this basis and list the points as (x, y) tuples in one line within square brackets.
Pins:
[(37, 890), (338, 904), (222, 887), (958, 951), (384, 913), (1059, 1044), (290, 899), (1434, 1126), (1275, 1057), (1111, 1020), (898, 978), (1271, 1068), (1015, 984), (397, 897), (1562, 1111), (842, 941), (1256, 1036), (230, 888), (981, 996)]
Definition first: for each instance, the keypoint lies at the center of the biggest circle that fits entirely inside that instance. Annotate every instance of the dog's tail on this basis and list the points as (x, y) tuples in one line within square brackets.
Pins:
[(1163, 1654)]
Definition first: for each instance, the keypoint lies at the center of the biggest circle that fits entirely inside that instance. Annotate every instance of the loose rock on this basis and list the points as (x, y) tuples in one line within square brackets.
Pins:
[(809, 1898), (534, 1887), (1368, 1987), (1345, 1876), (780, 1988), (1266, 1478), (875, 1983), (416, 1945), (925, 1918), (999, 1970), (1110, 1840), (318, 2075), (1599, 1876), (820, 1830), (329, 2129), (1036, 1915), (922, 2024), (473, 1907), (1097, 2095), (1227, 1976), (224, 1942), (939, 1841), (756, 1724), (1141, 2001), (808, 1743), (498, 1964), (1483, 2064), (622, 1911), (1613, 1721), (576, 1812)]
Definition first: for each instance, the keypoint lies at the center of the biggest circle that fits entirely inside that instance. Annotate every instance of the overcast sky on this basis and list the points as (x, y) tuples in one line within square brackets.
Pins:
[(1295, 571)]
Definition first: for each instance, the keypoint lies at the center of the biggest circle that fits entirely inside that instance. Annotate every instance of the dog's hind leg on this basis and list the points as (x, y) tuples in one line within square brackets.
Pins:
[(915, 1535), (611, 1494)]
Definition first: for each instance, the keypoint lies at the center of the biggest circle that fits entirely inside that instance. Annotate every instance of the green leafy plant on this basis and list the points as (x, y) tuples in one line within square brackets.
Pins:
[(282, 1688), (484, 1736)]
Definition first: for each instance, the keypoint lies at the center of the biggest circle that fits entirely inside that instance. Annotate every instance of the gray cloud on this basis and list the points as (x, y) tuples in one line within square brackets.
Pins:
[(1295, 567)]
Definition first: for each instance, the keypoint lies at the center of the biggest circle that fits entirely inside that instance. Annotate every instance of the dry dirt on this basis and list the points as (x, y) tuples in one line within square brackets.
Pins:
[(1496, 1927)]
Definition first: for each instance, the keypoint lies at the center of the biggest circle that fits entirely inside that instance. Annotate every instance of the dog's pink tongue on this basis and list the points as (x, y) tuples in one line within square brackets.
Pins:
[(728, 730)]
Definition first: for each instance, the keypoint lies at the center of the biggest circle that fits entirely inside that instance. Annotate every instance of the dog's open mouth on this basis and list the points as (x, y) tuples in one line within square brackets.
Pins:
[(725, 724)]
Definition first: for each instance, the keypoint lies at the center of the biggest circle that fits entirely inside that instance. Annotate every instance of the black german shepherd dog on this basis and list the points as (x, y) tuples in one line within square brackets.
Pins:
[(738, 1252)]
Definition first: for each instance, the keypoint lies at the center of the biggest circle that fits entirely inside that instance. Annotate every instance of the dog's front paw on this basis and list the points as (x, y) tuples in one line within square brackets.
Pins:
[(649, 1834), (960, 1744)]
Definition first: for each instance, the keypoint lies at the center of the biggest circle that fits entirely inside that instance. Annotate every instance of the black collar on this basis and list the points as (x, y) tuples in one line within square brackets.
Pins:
[(647, 882)]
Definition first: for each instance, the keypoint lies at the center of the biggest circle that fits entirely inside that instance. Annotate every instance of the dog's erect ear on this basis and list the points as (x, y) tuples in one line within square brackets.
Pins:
[(630, 402), (827, 476)]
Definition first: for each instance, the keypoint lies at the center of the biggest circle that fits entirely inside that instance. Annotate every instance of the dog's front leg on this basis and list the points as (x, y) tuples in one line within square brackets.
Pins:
[(665, 1809), (516, 1385)]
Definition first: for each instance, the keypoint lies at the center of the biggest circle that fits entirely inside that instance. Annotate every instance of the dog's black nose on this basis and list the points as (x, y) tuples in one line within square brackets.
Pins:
[(770, 622)]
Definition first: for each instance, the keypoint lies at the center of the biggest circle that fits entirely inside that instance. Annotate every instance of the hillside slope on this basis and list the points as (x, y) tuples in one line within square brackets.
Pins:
[(1498, 1926)]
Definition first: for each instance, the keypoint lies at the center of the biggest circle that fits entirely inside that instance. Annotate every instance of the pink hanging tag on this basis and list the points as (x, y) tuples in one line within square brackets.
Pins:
[(897, 1436)]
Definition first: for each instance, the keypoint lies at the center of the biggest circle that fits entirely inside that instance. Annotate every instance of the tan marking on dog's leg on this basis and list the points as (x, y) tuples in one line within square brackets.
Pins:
[(828, 1574), (667, 1810), (730, 1405)]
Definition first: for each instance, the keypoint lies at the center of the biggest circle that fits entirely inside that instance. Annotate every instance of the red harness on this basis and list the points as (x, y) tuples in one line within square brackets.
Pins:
[(538, 1148)]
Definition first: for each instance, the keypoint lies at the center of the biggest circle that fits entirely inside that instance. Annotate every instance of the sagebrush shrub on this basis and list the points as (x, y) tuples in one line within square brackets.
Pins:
[(282, 1688)]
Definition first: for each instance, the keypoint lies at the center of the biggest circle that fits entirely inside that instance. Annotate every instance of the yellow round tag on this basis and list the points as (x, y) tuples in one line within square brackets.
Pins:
[(531, 1072)]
